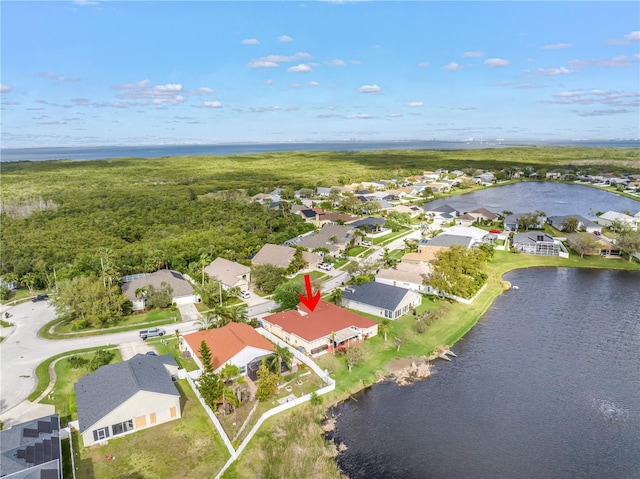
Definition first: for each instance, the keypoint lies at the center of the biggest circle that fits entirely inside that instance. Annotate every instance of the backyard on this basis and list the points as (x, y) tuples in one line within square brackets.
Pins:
[(187, 447)]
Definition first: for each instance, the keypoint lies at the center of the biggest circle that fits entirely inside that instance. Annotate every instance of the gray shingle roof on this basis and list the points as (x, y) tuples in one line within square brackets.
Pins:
[(449, 240), (376, 294), (99, 393), (180, 286)]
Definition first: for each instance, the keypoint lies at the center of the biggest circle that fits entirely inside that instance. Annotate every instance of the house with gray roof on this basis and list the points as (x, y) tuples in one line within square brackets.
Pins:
[(446, 240), (380, 299), (583, 224), (540, 243), (125, 397), (441, 214), (181, 290), (31, 450)]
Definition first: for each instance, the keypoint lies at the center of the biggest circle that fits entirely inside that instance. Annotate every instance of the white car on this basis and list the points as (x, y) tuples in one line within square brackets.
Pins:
[(245, 294), (325, 266), (366, 243)]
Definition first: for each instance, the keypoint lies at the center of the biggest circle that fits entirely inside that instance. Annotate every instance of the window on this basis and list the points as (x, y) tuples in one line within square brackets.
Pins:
[(101, 434), (122, 427), (243, 369)]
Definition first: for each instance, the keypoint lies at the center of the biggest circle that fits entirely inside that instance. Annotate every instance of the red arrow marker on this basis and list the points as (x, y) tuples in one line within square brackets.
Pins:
[(309, 301)]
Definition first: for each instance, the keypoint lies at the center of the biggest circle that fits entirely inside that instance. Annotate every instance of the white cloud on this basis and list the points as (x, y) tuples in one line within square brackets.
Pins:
[(394, 115), (272, 61), (613, 98), (496, 62), (269, 82), (552, 71), (295, 85), (611, 111), (620, 61), (313, 84), (632, 37), (250, 41), (335, 63), (211, 104), (53, 76), (203, 90), (156, 95), (359, 116), (464, 108), (370, 89), (4, 88), (423, 64), (415, 104), (475, 54), (85, 3), (556, 46), (263, 109), (452, 67), (285, 38), (301, 68)]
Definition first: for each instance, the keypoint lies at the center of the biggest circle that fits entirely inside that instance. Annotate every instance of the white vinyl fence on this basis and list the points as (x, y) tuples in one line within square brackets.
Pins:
[(235, 453)]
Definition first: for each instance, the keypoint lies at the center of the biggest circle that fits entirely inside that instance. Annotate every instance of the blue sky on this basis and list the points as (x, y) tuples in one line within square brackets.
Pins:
[(89, 73)]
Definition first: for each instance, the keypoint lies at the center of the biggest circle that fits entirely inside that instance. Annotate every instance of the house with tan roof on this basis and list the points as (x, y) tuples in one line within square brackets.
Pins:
[(408, 275), (323, 329), (413, 211), (229, 273), (483, 214), (425, 254), (281, 256), (331, 236), (236, 343)]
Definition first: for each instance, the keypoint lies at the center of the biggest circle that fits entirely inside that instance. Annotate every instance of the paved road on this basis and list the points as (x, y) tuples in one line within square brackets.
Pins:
[(22, 350)]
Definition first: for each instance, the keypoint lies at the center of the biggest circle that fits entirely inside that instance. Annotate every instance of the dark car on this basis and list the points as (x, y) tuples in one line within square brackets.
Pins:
[(40, 297)]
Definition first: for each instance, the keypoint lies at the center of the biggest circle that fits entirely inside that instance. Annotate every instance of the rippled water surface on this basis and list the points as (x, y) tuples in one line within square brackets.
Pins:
[(547, 385)]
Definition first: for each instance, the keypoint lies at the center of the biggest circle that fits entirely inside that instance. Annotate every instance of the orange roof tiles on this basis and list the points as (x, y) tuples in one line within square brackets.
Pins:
[(325, 319), (227, 341)]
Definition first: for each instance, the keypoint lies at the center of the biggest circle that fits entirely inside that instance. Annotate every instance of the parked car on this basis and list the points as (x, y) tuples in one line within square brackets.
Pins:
[(151, 353), (325, 266), (245, 294), (597, 233), (40, 297), (366, 243), (152, 332)]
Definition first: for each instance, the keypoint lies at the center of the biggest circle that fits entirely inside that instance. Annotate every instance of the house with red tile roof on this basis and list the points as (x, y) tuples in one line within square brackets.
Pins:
[(235, 343), (318, 331)]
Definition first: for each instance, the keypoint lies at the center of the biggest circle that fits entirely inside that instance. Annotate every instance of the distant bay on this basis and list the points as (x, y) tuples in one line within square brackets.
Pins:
[(158, 151)]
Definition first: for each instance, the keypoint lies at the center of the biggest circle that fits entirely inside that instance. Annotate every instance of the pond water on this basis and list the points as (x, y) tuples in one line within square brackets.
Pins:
[(546, 385), (555, 199)]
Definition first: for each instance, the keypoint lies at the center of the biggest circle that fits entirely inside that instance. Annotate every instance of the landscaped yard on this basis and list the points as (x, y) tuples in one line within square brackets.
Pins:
[(358, 250), (66, 376), (62, 325), (186, 447), (168, 345), (314, 275), (388, 238)]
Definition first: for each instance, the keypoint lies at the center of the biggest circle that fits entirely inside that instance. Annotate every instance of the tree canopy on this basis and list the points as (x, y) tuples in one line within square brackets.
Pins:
[(459, 271)]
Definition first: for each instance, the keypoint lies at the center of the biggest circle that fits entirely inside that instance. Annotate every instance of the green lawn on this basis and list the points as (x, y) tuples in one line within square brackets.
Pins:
[(66, 376), (42, 370), (187, 447), (63, 327), (388, 238), (314, 275), (168, 345), (5, 324), (22, 295)]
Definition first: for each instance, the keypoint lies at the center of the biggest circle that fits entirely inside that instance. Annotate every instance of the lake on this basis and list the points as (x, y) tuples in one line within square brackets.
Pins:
[(547, 384), (554, 199)]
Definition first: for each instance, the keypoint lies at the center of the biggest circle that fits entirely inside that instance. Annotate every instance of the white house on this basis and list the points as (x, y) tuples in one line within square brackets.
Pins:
[(407, 275), (608, 218), (380, 299), (236, 343)]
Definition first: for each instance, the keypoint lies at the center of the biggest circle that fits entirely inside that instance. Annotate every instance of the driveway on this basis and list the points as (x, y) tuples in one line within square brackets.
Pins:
[(22, 350), (189, 312)]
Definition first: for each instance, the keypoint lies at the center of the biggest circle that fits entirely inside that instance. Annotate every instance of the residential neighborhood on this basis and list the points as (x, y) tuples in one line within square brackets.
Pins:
[(372, 253)]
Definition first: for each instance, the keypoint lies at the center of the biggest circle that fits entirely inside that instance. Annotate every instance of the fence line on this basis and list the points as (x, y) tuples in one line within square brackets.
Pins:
[(211, 415)]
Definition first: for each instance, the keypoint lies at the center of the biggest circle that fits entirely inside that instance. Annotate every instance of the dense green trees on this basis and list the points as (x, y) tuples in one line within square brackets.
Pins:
[(87, 299), (267, 277), (629, 242), (459, 271), (286, 294)]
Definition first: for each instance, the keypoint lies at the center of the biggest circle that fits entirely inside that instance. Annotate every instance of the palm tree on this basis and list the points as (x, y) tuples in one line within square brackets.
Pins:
[(571, 224), (203, 261), (282, 355), (141, 293), (207, 322), (384, 326), (337, 296), (237, 313)]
